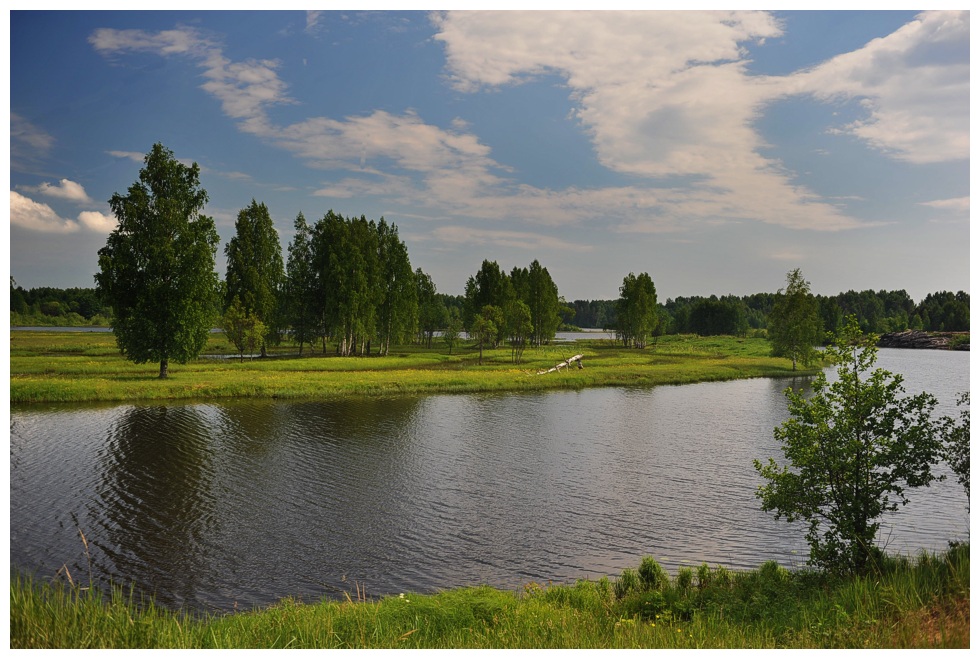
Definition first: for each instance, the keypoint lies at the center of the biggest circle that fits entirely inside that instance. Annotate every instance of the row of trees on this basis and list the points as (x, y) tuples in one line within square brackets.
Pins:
[(876, 312), (350, 280), (347, 280), (523, 307)]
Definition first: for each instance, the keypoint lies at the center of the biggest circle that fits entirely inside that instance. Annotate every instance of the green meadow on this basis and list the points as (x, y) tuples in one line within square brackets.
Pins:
[(51, 366)]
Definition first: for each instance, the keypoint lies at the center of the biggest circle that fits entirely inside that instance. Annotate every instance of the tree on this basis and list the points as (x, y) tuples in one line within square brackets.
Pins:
[(432, 312), (300, 288), (156, 270), (485, 327), (543, 302), (956, 444), (636, 310), (254, 271), (794, 326), (853, 448), (245, 331), (398, 315), (519, 328), (454, 327)]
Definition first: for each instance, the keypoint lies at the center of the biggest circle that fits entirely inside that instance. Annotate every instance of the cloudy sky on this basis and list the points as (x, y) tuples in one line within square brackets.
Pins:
[(716, 151)]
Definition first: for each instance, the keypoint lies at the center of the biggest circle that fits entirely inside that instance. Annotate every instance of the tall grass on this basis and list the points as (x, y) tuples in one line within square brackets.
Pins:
[(71, 366), (921, 603)]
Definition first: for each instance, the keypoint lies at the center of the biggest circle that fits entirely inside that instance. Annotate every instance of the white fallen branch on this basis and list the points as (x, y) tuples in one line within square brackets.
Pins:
[(564, 364)]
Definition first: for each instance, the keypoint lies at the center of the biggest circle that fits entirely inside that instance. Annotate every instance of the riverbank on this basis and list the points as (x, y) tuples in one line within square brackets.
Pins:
[(918, 603), (53, 366)]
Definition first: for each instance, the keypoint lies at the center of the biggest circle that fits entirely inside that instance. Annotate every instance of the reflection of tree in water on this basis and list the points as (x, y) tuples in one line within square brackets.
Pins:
[(156, 495)]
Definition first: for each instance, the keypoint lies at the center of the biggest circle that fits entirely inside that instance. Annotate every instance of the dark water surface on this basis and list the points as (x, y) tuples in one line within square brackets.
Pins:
[(215, 505)]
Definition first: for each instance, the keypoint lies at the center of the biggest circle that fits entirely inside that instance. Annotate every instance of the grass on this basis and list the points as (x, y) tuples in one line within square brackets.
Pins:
[(908, 603), (51, 366)]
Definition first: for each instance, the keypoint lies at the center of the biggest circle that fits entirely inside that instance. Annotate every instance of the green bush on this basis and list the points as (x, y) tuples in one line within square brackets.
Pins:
[(652, 574), (628, 582)]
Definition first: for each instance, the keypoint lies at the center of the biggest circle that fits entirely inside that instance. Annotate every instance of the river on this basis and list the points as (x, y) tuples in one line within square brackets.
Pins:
[(225, 505)]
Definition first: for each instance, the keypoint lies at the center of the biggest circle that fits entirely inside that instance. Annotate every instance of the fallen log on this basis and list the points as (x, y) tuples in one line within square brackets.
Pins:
[(564, 364)]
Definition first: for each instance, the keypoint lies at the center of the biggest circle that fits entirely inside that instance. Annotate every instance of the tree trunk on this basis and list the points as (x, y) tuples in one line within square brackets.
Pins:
[(163, 368)]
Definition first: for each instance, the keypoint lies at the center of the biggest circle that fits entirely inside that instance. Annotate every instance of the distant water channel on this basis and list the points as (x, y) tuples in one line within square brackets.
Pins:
[(219, 505)]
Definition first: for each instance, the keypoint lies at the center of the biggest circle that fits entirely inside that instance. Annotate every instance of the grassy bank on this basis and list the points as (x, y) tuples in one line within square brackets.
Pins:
[(75, 366), (919, 603)]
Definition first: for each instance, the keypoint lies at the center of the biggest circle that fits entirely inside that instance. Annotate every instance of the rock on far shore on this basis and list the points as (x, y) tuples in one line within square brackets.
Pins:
[(926, 340)]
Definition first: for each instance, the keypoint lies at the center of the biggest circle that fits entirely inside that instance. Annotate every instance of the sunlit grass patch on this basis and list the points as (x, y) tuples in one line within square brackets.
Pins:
[(73, 366)]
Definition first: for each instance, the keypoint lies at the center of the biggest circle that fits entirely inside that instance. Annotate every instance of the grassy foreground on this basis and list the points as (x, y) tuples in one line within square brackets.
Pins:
[(53, 366), (920, 603)]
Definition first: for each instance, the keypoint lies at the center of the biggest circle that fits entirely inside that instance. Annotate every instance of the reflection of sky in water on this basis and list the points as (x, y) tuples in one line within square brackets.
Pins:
[(212, 504)]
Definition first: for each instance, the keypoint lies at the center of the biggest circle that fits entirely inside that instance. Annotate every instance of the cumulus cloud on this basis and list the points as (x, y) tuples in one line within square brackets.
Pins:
[(34, 216), (64, 189), (96, 221), (913, 85)]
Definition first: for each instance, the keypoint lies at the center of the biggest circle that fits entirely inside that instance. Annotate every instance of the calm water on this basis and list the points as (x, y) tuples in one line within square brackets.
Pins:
[(215, 505)]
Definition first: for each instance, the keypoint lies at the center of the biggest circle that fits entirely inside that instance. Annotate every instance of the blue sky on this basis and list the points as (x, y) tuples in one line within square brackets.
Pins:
[(716, 151)]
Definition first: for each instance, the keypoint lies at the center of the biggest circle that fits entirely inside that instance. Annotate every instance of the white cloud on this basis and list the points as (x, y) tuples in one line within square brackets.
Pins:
[(660, 94), (914, 85), (96, 221), (457, 235), (244, 88), (312, 19), (64, 189), (29, 214), (135, 156), (34, 216), (957, 205), (28, 143)]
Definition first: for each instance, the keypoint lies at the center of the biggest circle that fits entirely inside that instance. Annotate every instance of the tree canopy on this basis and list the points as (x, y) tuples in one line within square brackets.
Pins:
[(636, 311), (853, 449), (254, 272), (156, 270), (794, 324)]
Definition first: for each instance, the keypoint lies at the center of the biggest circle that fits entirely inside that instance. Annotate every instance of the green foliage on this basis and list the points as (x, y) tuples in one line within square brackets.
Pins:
[(853, 449), (956, 444), (433, 314), (636, 311), (794, 325), (300, 291), (254, 273), (652, 575), (519, 328), (157, 268), (454, 327), (485, 327), (245, 331), (921, 603), (629, 582), (713, 317), (398, 312)]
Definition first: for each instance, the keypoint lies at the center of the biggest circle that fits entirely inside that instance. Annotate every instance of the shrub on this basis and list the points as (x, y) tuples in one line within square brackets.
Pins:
[(652, 574), (685, 577), (628, 582)]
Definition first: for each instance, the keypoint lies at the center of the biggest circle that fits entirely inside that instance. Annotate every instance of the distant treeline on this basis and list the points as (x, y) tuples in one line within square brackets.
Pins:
[(56, 306), (879, 312)]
